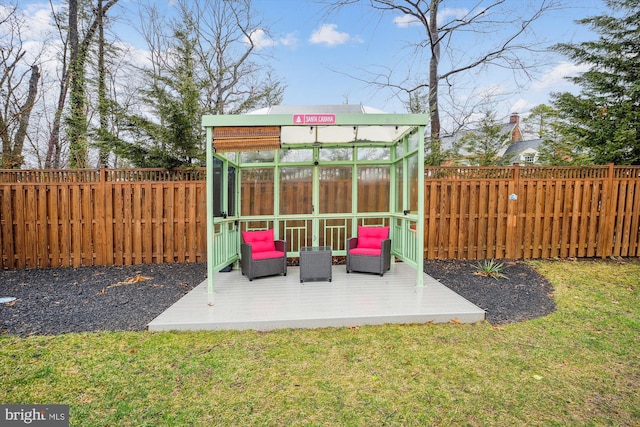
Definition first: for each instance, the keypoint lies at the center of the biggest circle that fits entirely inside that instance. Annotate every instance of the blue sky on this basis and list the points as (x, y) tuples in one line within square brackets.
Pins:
[(318, 55), (329, 49)]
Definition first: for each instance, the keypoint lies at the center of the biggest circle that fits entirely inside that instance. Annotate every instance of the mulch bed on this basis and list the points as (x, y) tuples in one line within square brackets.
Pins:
[(523, 295), (127, 298), (54, 301)]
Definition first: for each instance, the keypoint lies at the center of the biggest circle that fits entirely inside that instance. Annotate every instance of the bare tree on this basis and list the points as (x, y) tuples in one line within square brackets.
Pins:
[(53, 157), (205, 60), (497, 28), (17, 94), (234, 68)]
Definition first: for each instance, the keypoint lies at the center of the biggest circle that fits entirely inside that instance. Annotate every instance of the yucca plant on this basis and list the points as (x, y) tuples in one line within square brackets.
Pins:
[(490, 268)]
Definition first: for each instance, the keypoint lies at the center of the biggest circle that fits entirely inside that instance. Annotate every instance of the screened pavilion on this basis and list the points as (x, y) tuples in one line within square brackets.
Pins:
[(313, 174)]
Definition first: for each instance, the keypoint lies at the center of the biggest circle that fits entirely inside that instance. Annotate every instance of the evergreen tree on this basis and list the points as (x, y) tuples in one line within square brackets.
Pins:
[(605, 116), (485, 145), (556, 149), (202, 62), (173, 136)]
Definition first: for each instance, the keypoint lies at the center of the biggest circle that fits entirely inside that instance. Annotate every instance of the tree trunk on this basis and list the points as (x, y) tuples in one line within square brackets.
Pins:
[(77, 128), (435, 158), (52, 159), (16, 159), (103, 155)]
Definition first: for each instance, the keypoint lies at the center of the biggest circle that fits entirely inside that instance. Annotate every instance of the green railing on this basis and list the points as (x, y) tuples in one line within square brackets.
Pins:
[(334, 229), (226, 240), (404, 241)]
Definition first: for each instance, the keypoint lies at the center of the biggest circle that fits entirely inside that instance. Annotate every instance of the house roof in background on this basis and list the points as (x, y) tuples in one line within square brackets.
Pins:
[(522, 146), (449, 141)]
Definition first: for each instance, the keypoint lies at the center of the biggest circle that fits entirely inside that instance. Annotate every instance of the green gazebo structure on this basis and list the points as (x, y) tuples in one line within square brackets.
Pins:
[(313, 174)]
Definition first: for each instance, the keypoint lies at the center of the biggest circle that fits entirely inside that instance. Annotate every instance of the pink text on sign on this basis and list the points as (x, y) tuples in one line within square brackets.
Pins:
[(314, 119)]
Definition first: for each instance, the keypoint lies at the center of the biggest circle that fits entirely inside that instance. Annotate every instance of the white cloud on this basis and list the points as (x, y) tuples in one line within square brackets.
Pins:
[(449, 14), (31, 30), (555, 78), (329, 35), (444, 15), (405, 21), (490, 91), (289, 40), (522, 105), (138, 57), (35, 21), (260, 39)]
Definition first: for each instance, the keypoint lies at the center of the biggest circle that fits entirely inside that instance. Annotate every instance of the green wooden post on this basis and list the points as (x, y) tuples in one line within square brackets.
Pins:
[(209, 193), (354, 193), (315, 198), (420, 225), (393, 197), (276, 199)]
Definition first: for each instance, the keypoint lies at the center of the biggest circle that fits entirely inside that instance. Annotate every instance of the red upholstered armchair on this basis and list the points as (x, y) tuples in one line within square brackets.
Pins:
[(261, 255), (370, 251)]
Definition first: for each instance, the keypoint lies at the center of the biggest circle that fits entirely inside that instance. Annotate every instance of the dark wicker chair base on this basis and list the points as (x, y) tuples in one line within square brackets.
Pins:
[(264, 267), (370, 264)]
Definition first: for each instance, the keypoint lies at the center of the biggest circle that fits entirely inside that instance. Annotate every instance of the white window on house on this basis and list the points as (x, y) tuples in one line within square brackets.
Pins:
[(529, 158)]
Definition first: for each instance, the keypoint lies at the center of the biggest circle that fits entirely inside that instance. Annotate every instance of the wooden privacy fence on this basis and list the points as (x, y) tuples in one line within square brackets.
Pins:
[(532, 212), (101, 217), (135, 216)]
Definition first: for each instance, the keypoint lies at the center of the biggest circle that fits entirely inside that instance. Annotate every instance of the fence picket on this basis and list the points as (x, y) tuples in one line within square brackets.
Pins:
[(634, 236), (454, 220), (587, 187), (136, 224), (127, 226), (594, 218), (473, 219), (118, 224), (431, 220), (483, 220)]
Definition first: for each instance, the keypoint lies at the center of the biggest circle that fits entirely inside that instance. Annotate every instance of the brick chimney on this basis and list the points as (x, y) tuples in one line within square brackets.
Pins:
[(515, 133)]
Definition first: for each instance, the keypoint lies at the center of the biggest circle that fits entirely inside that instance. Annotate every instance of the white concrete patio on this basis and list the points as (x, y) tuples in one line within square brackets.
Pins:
[(280, 302)]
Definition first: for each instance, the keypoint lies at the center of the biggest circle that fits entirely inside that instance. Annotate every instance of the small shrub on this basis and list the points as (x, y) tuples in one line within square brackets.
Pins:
[(490, 268)]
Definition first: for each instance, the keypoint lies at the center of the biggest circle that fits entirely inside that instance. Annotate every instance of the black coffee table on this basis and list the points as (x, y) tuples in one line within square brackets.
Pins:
[(315, 263)]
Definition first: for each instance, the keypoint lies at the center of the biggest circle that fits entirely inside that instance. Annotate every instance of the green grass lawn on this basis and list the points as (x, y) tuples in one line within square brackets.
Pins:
[(577, 366)]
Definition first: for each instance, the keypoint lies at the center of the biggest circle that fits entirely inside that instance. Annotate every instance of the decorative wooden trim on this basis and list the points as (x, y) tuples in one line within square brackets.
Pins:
[(245, 138)]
